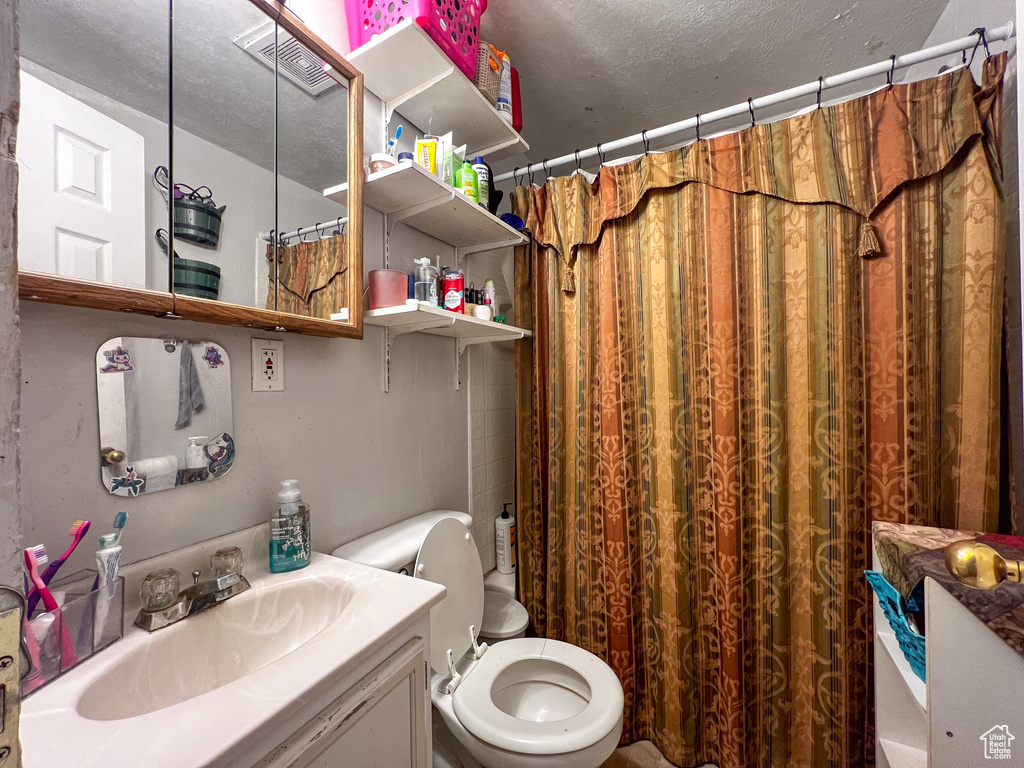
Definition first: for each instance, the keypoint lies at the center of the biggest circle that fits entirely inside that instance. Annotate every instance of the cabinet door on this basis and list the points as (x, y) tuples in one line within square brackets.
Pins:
[(382, 722)]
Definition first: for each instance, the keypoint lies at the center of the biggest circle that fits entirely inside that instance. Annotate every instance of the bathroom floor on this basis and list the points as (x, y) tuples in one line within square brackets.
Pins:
[(642, 754)]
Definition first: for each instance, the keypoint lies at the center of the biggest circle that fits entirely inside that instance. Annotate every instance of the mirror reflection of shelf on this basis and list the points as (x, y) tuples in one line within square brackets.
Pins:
[(410, 73), (416, 197)]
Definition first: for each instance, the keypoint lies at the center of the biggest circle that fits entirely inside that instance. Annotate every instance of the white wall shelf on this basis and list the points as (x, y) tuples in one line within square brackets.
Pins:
[(971, 675), (410, 73), (416, 197), (464, 329)]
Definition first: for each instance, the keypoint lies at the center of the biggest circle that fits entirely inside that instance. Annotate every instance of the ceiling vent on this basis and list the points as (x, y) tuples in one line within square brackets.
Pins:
[(295, 61)]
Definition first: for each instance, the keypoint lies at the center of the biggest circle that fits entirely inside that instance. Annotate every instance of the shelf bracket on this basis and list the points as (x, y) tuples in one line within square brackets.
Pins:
[(400, 215), (466, 250), (399, 100), (465, 342), (393, 332), (514, 139)]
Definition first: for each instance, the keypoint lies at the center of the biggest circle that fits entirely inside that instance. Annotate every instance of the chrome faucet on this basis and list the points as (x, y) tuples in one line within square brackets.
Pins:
[(163, 604)]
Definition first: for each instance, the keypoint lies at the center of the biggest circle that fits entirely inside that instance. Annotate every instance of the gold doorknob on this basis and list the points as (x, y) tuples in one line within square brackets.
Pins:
[(978, 565), (110, 456)]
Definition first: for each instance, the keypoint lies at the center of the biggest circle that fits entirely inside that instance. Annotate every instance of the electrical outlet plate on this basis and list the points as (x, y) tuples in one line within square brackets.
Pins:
[(10, 687), (267, 365)]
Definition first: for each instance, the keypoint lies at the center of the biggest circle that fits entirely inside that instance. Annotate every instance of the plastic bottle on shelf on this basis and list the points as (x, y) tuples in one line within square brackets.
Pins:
[(425, 287), (470, 183), (483, 182), (504, 104)]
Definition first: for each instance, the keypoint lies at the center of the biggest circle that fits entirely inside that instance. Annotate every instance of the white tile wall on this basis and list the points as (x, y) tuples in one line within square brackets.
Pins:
[(492, 440), (491, 413)]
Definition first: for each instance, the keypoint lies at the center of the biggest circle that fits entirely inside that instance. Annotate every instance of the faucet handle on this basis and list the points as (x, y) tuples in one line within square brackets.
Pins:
[(195, 577)]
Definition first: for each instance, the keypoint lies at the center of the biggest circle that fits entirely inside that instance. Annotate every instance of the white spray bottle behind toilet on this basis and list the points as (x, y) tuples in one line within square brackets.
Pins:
[(505, 541)]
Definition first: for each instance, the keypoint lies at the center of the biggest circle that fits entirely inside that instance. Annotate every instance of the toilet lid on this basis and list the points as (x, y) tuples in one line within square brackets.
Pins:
[(504, 616), (448, 556)]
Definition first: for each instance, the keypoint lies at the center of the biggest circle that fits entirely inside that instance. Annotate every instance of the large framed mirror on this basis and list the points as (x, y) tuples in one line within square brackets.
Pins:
[(175, 163)]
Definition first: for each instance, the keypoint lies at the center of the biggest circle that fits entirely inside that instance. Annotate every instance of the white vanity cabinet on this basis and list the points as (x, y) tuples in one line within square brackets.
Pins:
[(381, 722)]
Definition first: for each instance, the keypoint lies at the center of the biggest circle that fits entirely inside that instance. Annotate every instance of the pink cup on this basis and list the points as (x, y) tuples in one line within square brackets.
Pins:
[(388, 288)]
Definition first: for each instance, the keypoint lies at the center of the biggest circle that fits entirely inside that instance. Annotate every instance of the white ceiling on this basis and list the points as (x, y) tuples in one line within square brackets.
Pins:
[(598, 70)]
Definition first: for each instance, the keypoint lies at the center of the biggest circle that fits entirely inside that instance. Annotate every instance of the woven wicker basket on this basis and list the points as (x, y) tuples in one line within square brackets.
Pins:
[(488, 73)]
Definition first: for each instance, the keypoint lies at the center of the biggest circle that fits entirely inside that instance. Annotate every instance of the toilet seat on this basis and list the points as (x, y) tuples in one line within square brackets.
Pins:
[(522, 702), (549, 670)]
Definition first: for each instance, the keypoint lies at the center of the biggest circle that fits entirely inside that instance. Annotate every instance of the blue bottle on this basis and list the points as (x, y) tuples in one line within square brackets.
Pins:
[(289, 530)]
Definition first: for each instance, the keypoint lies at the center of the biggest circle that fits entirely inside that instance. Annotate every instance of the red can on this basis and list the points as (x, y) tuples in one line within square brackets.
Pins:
[(453, 293)]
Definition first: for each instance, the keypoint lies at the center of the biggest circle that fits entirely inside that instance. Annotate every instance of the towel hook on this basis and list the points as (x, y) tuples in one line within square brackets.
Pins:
[(577, 153), (821, 84), (698, 126), (515, 175), (750, 107), (980, 32), (892, 71), (647, 144), (600, 154)]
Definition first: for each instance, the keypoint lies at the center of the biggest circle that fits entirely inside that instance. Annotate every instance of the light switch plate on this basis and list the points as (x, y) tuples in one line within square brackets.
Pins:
[(267, 365)]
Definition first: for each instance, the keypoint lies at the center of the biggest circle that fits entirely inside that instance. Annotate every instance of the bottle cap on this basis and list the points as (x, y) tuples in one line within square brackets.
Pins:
[(478, 160), (108, 540), (289, 492)]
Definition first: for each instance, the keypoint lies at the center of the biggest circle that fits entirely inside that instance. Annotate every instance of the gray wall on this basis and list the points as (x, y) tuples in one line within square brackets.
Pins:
[(364, 459)]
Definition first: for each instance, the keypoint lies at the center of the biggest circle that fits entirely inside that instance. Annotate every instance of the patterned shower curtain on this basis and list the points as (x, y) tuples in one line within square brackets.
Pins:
[(310, 277), (744, 352)]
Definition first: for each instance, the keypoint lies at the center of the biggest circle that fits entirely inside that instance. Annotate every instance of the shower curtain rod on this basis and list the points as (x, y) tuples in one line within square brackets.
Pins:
[(319, 228), (887, 67)]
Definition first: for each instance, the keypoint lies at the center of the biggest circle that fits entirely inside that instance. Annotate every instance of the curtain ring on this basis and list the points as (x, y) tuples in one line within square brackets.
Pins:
[(547, 170), (698, 126), (515, 175), (529, 168), (577, 154), (821, 84), (600, 154), (647, 144), (750, 106), (892, 71), (980, 32), (319, 234)]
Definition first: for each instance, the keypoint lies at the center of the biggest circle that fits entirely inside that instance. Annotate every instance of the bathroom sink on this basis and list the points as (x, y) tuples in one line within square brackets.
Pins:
[(216, 647), (224, 687)]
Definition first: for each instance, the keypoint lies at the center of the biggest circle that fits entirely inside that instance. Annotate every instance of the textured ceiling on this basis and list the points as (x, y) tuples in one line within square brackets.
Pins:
[(592, 70), (598, 70), (221, 93)]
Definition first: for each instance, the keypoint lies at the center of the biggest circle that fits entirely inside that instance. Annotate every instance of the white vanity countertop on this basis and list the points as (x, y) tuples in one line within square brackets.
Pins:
[(207, 728)]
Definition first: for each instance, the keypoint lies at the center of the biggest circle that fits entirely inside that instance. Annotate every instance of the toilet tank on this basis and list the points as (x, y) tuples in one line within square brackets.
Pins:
[(395, 548)]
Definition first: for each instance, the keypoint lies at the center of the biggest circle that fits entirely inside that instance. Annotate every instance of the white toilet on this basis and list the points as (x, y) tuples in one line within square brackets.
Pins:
[(524, 702)]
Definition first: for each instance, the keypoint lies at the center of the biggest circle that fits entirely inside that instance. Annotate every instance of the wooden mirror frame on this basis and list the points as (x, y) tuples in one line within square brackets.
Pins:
[(56, 289)]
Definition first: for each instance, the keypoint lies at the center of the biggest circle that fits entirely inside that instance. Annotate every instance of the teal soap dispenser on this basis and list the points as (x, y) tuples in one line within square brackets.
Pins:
[(289, 530)]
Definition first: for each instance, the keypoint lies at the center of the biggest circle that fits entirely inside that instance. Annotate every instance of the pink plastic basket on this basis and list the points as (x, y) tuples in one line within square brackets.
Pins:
[(453, 24)]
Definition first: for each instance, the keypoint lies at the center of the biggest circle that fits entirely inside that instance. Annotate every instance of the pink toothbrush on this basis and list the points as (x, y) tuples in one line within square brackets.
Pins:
[(77, 532), (34, 557)]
